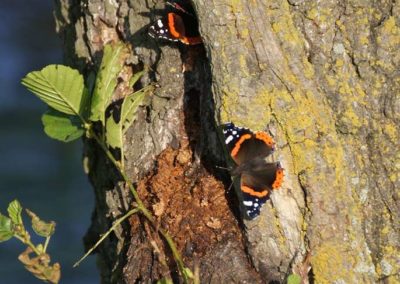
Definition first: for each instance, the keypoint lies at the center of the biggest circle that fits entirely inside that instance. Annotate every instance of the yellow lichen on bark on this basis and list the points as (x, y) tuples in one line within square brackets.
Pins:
[(332, 262), (313, 75)]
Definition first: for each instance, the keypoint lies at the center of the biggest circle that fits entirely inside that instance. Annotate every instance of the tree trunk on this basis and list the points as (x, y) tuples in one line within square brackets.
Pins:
[(321, 76)]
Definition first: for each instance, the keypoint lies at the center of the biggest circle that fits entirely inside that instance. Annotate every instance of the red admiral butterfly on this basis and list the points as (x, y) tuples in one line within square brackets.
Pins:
[(179, 24), (249, 151)]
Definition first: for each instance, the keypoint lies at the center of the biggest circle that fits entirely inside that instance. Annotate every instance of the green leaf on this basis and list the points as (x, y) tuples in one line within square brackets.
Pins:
[(14, 211), (5, 228), (113, 132), (136, 77), (129, 108), (41, 228), (188, 273), (106, 80), (294, 279), (40, 248), (62, 127), (165, 281), (114, 138), (61, 87)]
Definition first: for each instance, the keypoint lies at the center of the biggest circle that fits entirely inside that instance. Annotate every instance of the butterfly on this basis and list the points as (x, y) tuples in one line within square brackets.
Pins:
[(258, 177), (178, 24)]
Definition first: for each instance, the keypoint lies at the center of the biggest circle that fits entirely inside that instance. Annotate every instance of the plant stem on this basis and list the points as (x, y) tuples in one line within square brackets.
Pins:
[(46, 243), (29, 243), (119, 221), (124, 176)]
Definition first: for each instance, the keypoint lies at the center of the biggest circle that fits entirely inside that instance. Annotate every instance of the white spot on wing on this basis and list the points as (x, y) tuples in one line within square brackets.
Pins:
[(229, 139), (248, 203), (160, 24)]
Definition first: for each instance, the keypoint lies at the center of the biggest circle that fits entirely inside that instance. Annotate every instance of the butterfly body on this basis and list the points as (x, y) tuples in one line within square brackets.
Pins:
[(258, 177)]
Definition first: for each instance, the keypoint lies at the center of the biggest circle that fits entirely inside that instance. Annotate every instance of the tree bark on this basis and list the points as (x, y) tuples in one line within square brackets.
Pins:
[(321, 76)]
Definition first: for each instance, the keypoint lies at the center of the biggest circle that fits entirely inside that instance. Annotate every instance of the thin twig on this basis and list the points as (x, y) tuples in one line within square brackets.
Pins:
[(119, 221)]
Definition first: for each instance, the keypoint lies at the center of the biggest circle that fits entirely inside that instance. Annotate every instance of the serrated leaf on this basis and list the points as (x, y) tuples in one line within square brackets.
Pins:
[(129, 107), (41, 228), (14, 211), (294, 279), (61, 87), (136, 77), (5, 228), (62, 127), (106, 80), (114, 138), (113, 132)]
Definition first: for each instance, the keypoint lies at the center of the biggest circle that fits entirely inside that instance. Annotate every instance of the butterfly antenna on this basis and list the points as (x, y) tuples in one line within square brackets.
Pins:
[(233, 178), (230, 187), (224, 168), (233, 181)]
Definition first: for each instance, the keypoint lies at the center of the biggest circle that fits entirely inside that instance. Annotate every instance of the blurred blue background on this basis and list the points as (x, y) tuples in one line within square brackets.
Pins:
[(46, 176)]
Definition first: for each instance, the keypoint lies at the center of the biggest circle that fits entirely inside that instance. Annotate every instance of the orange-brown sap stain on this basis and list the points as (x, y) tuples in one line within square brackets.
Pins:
[(188, 202)]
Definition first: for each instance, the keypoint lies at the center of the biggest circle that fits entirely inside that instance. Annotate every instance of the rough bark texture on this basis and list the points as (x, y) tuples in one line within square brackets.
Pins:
[(321, 76)]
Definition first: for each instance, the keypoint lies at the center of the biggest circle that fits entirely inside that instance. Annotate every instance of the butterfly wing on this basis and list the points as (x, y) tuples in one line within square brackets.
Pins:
[(162, 29), (179, 24), (257, 184), (244, 145)]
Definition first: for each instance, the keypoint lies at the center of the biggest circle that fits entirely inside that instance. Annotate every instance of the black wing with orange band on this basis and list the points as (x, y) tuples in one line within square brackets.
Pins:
[(257, 185), (178, 24), (258, 178), (244, 144)]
